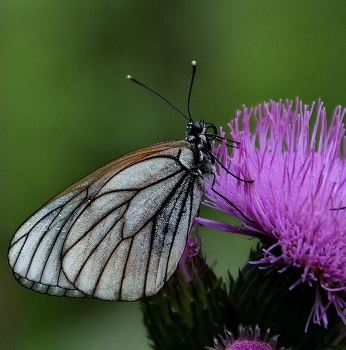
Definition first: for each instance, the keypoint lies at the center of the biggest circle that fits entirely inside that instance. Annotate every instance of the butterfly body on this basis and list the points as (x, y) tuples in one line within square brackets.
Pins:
[(117, 234)]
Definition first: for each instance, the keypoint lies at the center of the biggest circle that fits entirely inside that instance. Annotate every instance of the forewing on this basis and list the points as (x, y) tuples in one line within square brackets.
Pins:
[(128, 241)]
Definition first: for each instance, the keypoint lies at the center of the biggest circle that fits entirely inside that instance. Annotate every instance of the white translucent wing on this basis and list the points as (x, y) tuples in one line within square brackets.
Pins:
[(128, 241), (35, 249), (121, 230)]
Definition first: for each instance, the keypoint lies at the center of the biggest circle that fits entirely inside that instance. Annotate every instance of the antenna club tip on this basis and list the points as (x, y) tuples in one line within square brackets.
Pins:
[(129, 77), (193, 63)]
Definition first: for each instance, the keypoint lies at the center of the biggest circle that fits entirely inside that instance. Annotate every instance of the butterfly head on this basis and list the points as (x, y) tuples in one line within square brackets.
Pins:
[(197, 133)]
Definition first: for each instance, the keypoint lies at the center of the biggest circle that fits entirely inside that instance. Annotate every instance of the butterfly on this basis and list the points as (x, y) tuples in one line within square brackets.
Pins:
[(118, 233)]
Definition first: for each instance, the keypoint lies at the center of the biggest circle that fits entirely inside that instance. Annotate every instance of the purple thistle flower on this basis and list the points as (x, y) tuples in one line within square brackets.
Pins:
[(247, 340), (298, 194), (186, 263)]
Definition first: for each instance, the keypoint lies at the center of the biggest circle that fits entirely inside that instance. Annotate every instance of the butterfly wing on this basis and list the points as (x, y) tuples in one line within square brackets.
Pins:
[(35, 249), (117, 234)]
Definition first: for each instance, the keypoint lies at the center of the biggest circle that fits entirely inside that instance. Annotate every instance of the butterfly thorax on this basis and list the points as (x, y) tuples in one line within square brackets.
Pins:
[(200, 145)]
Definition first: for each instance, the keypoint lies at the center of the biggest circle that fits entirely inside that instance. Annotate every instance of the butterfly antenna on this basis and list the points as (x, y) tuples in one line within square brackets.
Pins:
[(194, 64), (156, 93)]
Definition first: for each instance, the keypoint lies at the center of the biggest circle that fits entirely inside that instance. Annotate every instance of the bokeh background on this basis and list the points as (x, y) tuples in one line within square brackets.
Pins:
[(67, 109)]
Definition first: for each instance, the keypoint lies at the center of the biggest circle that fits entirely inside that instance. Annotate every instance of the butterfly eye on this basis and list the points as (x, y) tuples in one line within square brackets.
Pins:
[(197, 127)]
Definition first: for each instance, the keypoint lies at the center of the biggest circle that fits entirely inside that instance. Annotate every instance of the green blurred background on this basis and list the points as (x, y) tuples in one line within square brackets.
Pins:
[(67, 109)]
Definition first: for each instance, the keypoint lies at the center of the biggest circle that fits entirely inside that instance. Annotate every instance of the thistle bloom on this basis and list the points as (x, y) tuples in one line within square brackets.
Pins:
[(298, 195), (187, 264), (247, 340)]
